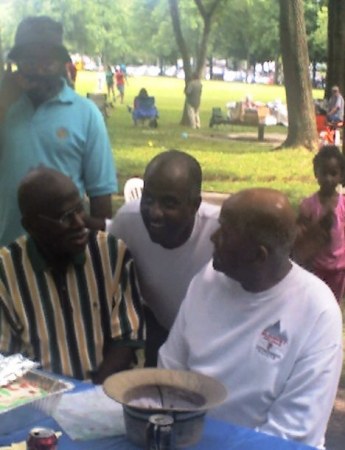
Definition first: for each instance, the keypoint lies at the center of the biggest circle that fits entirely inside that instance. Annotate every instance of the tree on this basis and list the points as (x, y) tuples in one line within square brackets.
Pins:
[(302, 126), (207, 13), (238, 28), (316, 25), (336, 45)]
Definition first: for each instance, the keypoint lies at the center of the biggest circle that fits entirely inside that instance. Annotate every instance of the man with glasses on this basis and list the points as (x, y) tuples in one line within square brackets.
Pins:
[(43, 121), (68, 296)]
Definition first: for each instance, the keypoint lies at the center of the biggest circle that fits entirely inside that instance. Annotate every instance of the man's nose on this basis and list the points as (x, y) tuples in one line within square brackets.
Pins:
[(155, 210), (77, 219)]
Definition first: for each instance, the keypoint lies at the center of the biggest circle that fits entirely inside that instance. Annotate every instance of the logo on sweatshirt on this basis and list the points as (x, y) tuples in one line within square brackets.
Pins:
[(272, 342), (62, 133)]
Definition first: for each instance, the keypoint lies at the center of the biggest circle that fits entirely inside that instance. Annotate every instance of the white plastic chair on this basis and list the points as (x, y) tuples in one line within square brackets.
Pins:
[(133, 189)]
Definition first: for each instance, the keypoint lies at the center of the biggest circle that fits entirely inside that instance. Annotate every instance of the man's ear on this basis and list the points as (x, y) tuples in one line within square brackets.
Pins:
[(196, 202), (26, 223), (261, 254)]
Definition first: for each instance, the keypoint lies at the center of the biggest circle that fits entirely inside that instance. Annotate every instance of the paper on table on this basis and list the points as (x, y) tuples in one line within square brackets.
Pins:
[(21, 445), (89, 414)]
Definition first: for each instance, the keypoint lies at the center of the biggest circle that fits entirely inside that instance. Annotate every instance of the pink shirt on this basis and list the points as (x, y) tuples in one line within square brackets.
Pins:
[(332, 257)]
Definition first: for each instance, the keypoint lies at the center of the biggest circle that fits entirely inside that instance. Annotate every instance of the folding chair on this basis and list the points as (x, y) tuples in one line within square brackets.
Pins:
[(133, 189), (145, 109)]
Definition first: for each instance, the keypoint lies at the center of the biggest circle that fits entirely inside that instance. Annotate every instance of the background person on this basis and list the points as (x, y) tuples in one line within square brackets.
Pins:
[(320, 245), (265, 327), (193, 96), (109, 78), (120, 83), (335, 111), (68, 299), (144, 108), (71, 73), (43, 121), (168, 233)]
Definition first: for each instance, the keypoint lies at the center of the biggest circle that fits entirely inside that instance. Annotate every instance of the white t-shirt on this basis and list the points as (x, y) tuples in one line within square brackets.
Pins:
[(279, 352), (164, 274)]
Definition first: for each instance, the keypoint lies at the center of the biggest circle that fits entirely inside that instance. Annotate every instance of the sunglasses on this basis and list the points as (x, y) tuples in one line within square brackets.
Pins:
[(30, 66)]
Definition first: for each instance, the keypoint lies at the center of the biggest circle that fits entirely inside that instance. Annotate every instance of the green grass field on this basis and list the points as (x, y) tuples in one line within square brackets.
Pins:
[(228, 165)]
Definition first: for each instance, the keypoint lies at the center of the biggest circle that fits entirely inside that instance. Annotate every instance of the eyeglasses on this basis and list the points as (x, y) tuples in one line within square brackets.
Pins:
[(67, 217), (30, 66)]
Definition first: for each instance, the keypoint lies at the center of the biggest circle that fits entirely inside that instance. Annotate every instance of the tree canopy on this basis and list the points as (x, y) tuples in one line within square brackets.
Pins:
[(141, 31)]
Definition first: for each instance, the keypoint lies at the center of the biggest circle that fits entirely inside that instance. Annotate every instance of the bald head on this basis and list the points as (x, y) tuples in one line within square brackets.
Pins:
[(42, 189), (178, 167), (264, 216), (255, 237)]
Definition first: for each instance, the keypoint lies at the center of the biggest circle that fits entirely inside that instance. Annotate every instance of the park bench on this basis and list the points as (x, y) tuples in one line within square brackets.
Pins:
[(248, 117)]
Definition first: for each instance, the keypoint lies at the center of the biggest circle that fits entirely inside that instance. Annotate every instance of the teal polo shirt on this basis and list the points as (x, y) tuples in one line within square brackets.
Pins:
[(66, 133)]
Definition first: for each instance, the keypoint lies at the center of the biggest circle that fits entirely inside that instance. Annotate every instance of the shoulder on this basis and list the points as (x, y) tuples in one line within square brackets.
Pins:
[(312, 292), (309, 202), (14, 259), (125, 219), (84, 105), (128, 212), (341, 200), (101, 239), (16, 246), (209, 277), (209, 211)]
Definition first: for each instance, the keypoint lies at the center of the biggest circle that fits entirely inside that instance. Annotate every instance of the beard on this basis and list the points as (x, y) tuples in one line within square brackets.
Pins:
[(42, 87)]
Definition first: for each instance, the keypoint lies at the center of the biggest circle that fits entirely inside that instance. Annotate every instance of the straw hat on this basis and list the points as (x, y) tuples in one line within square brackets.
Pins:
[(174, 390)]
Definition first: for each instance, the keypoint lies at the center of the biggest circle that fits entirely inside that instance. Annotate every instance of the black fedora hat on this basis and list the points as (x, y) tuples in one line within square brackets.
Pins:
[(42, 31)]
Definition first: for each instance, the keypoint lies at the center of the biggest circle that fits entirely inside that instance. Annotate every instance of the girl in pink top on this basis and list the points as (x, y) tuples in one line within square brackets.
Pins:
[(322, 220)]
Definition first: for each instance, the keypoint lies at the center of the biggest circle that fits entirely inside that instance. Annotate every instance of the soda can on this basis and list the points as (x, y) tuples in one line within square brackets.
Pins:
[(41, 439), (160, 433)]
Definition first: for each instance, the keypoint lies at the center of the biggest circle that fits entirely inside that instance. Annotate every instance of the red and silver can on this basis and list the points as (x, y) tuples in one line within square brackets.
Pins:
[(41, 439), (160, 433)]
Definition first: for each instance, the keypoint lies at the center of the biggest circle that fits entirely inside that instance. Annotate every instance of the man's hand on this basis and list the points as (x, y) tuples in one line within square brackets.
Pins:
[(312, 237), (11, 88), (115, 360)]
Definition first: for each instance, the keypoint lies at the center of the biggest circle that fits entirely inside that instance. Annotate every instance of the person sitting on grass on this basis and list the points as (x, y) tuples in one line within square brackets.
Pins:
[(144, 108), (68, 296)]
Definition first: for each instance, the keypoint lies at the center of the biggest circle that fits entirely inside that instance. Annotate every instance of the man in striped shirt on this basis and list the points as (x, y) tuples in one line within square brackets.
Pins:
[(68, 297)]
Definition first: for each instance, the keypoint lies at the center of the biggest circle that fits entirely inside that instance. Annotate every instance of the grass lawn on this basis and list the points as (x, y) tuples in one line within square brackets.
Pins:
[(228, 165)]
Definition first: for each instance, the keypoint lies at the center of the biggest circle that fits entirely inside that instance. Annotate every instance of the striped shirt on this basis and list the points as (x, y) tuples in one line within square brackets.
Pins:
[(64, 320)]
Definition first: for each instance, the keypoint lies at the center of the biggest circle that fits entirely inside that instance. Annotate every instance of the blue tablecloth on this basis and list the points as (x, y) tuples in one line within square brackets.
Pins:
[(217, 435)]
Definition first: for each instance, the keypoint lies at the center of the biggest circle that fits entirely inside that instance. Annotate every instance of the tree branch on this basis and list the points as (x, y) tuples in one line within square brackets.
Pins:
[(207, 14)]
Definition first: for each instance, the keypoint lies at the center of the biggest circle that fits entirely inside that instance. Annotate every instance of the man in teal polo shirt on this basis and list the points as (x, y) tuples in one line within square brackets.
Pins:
[(43, 121)]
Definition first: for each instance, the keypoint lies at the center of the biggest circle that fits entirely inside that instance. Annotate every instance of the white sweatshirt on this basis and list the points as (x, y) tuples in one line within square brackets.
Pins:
[(279, 352), (165, 274)]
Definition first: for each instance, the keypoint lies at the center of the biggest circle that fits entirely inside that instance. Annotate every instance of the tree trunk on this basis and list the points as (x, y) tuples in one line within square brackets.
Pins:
[(182, 45), (336, 45), (1, 59), (293, 39), (210, 62), (276, 69)]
